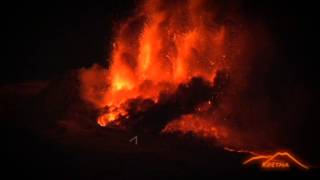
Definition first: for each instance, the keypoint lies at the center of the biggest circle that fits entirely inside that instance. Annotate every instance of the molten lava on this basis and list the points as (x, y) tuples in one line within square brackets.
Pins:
[(171, 61), (183, 66), (159, 49), (197, 125)]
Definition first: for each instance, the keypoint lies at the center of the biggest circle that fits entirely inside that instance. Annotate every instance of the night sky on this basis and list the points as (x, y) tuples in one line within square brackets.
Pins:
[(44, 41), (47, 39)]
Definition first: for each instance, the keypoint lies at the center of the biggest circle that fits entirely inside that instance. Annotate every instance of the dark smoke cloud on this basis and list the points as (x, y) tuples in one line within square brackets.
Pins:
[(147, 116)]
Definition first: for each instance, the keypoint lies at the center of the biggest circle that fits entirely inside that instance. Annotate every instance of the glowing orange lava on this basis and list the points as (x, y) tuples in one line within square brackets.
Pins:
[(197, 125), (155, 51)]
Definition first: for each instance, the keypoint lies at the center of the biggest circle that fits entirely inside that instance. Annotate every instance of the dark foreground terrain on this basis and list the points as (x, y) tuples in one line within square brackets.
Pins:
[(38, 146)]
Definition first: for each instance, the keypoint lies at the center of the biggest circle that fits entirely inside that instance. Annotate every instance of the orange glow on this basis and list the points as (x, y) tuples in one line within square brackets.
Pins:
[(106, 118), (280, 160), (166, 44), (171, 46), (112, 115), (196, 125)]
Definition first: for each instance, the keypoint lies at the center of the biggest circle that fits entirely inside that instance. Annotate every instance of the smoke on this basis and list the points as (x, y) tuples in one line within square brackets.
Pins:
[(168, 61), (148, 116), (173, 58)]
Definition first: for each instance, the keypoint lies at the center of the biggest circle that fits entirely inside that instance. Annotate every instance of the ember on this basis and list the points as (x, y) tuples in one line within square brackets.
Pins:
[(168, 60)]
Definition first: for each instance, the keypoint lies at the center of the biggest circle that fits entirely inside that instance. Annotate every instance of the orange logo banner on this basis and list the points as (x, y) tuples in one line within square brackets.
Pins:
[(279, 160)]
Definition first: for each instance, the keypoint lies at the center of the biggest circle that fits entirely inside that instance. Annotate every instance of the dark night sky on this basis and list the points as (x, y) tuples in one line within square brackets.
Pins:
[(45, 39)]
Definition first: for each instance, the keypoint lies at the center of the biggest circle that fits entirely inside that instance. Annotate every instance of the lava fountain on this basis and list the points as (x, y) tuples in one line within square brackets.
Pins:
[(171, 66)]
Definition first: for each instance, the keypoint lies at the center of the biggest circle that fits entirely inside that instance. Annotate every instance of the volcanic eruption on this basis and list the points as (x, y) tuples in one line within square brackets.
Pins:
[(171, 66), (188, 67), (185, 88)]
